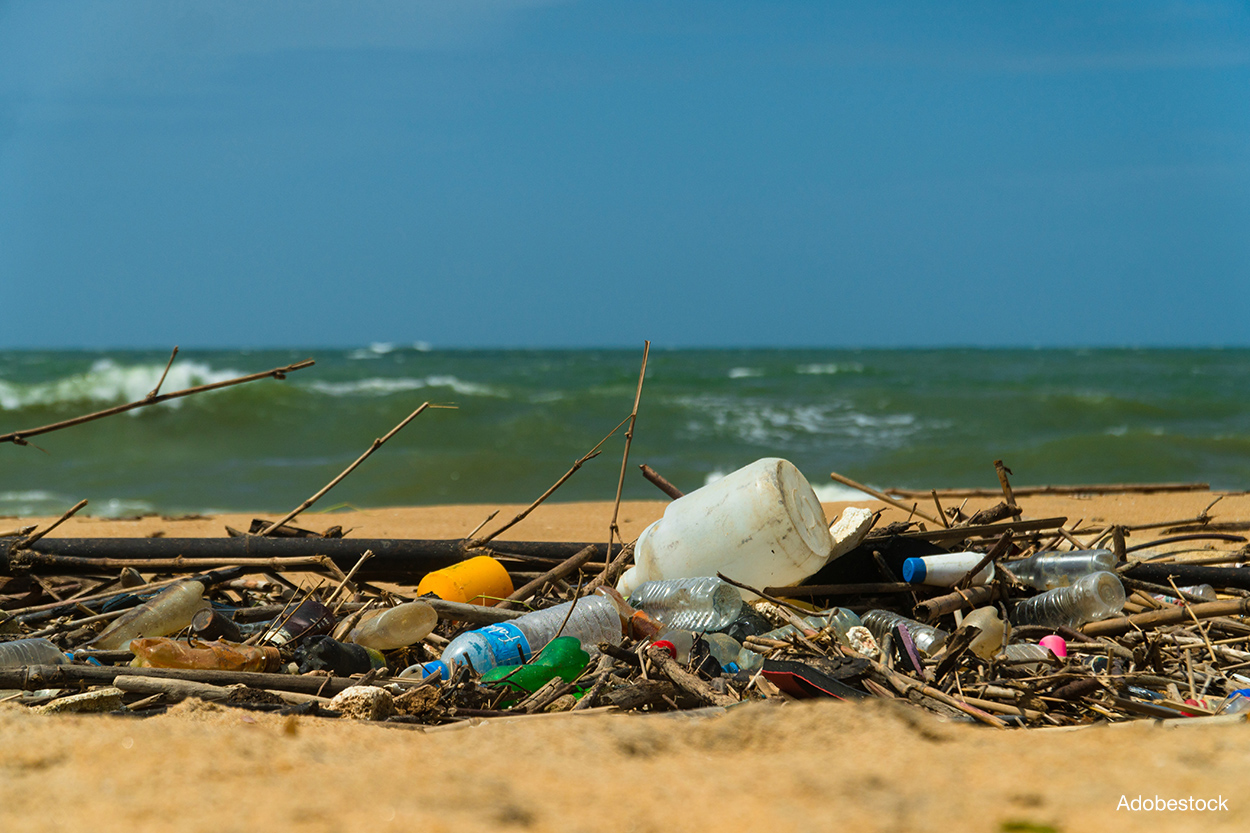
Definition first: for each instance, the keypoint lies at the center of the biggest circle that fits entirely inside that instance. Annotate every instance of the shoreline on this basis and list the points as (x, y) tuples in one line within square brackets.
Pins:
[(588, 520)]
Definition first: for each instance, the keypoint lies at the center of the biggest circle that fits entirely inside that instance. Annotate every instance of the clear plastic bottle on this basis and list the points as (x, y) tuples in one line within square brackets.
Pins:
[(749, 660), (1096, 596), (37, 651), (1203, 591), (838, 618), (692, 604), (724, 649), (1026, 651), (168, 612), (1026, 656), (396, 627), (926, 638), (594, 619), (1048, 570)]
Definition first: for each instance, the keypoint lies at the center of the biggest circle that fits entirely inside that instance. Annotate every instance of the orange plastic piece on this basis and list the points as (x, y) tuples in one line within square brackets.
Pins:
[(479, 581), (163, 652)]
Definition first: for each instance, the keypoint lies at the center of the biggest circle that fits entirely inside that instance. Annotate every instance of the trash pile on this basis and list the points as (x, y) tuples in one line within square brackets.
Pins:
[(741, 592)]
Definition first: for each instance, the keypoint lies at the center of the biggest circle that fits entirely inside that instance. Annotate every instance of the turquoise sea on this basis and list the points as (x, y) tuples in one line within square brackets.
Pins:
[(891, 418)]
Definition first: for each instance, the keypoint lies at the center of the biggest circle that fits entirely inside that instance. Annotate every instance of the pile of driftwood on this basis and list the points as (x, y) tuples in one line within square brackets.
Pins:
[(1169, 654)]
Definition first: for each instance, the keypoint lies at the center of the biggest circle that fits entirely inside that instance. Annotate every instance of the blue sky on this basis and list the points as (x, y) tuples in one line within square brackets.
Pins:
[(513, 173)]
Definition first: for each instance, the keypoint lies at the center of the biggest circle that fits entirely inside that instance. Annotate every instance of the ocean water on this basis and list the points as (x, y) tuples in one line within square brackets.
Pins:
[(891, 418)]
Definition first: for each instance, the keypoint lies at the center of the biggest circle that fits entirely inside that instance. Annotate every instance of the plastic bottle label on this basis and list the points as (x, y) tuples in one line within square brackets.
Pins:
[(507, 643)]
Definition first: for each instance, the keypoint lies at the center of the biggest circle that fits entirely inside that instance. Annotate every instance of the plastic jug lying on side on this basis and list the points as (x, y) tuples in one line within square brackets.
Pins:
[(761, 525)]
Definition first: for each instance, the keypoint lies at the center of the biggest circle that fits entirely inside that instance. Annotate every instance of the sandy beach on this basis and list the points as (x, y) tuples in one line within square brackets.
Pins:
[(808, 765)]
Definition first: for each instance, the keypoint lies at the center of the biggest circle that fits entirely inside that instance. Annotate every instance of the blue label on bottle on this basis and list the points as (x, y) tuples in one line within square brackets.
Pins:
[(507, 643)]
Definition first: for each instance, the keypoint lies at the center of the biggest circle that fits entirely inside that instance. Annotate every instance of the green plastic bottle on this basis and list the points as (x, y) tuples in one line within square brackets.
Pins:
[(562, 657)]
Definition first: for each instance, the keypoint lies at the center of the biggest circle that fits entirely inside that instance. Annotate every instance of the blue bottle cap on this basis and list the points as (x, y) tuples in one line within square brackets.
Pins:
[(914, 570), (436, 667)]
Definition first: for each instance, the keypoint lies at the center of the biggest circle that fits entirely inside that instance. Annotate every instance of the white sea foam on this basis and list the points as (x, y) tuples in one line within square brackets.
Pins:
[(829, 369), (837, 493), (385, 387), (744, 372), (107, 381), (378, 349), (121, 508), (36, 502), (770, 424)]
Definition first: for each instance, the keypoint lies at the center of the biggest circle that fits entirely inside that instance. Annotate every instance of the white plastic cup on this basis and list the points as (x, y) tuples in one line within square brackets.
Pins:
[(762, 525)]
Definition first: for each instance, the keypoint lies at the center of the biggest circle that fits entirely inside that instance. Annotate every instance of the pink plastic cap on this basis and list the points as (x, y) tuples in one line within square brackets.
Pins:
[(1056, 644)]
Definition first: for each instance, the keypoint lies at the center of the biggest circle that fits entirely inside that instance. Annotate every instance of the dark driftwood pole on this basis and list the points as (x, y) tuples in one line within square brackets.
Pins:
[(397, 558)]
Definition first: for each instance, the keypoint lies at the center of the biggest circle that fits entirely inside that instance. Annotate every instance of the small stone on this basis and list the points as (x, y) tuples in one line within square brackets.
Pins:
[(364, 702), (99, 700)]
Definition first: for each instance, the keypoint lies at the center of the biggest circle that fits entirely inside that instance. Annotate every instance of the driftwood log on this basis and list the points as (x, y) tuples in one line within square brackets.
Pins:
[(393, 558)]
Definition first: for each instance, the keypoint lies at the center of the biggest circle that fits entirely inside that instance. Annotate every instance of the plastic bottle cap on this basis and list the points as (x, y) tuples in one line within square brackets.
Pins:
[(436, 667), (666, 645), (914, 570), (1055, 644)]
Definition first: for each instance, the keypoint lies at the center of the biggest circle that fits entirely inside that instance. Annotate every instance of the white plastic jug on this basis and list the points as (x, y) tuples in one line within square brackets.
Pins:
[(762, 525)]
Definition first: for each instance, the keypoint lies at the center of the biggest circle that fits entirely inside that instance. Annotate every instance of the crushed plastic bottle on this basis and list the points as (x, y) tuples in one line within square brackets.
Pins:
[(1096, 596), (163, 652), (694, 604)]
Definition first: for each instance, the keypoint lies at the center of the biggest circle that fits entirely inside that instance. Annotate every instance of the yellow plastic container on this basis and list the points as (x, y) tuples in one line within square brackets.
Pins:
[(479, 581)]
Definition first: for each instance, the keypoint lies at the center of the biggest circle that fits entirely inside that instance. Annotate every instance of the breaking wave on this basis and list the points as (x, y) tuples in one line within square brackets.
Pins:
[(378, 386), (762, 423), (109, 382), (829, 369)]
